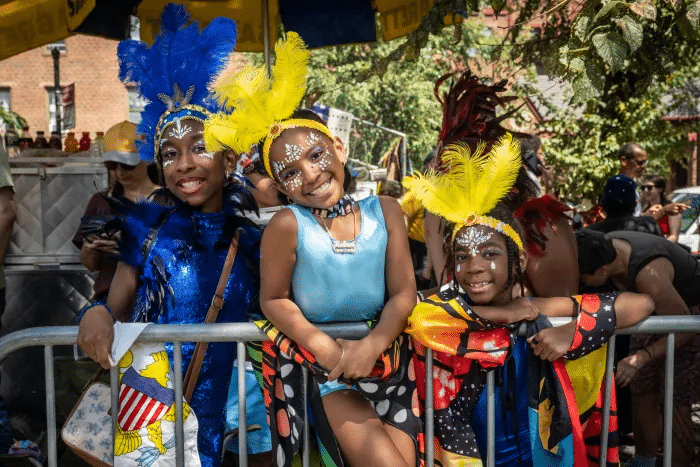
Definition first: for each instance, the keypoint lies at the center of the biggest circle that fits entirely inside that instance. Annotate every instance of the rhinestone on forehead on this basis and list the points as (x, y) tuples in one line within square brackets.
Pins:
[(293, 152), (312, 138), (472, 238)]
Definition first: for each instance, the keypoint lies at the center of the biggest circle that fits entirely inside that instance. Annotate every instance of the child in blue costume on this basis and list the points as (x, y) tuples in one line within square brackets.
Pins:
[(173, 250), (325, 258)]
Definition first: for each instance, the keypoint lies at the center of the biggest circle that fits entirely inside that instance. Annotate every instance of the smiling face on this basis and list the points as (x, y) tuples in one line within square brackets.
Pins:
[(481, 265), (307, 167), (192, 174)]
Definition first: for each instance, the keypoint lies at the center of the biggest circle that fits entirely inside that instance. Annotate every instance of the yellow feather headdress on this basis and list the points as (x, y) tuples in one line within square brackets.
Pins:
[(472, 185), (261, 105)]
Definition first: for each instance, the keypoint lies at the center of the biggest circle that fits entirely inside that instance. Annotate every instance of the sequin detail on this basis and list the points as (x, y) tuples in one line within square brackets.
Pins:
[(472, 238), (312, 139)]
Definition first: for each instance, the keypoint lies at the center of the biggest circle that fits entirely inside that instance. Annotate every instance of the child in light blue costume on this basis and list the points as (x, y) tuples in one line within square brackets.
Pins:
[(325, 258)]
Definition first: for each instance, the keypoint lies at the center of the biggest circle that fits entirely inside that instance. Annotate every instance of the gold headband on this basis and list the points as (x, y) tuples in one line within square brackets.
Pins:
[(495, 224), (279, 127)]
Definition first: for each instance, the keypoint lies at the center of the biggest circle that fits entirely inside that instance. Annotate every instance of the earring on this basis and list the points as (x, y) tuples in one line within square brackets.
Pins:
[(493, 265), (227, 174)]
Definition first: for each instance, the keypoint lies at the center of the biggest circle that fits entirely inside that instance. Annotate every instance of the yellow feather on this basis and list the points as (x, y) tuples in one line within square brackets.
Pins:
[(500, 172), (473, 184), (258, 101)]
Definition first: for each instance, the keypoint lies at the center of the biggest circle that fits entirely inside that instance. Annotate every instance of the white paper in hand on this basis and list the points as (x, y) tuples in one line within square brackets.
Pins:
[(124, 336)]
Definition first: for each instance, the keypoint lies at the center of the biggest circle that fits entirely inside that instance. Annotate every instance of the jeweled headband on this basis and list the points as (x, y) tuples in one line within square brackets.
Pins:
[(495, 224), (186, 112), (278, 128)]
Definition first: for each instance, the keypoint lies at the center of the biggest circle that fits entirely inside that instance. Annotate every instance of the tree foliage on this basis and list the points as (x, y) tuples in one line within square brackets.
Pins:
[(395, 94)]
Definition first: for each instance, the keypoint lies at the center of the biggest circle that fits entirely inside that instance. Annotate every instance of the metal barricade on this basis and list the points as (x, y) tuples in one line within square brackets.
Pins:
[(245, 332)]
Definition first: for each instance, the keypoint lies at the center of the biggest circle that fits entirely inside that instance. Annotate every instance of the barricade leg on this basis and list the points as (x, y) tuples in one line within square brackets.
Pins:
[(490, 419), (306, 453), (429, 411), (50, 405), (668, 399), (242, 416), (605, 428), (179, 419)]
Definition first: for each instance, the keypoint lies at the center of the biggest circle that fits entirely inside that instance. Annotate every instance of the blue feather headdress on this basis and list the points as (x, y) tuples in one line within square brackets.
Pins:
[(174, 73)]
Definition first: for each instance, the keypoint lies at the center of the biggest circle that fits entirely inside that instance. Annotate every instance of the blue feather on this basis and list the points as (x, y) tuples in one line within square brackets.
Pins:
[(180, 56)]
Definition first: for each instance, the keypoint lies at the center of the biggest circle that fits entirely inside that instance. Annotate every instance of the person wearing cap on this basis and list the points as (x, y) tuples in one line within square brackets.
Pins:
[(130, 180), (619, 202), (670, 275)]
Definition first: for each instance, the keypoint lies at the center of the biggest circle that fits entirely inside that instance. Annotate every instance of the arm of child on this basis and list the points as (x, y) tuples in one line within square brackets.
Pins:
[(358, 357), (277, 260), (552, 343), (96, 333), (519, 309)]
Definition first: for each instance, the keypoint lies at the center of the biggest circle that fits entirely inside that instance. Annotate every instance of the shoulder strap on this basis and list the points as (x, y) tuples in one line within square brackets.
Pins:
[(217, 303)]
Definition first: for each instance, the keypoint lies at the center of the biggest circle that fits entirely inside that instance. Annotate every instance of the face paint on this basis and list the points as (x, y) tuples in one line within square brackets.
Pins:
[(459, 267), (324, 160), (293, 153), (208, 155), (292, 183), (167, 163), (178, 130), (312, 139), (493, 266), (472, 238)]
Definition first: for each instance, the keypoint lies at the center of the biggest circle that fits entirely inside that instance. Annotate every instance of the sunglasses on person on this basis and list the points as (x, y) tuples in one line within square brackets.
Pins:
[(112, 165)]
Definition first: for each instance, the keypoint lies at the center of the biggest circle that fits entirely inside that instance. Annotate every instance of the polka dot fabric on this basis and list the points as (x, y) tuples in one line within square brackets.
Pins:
[(391, 389)]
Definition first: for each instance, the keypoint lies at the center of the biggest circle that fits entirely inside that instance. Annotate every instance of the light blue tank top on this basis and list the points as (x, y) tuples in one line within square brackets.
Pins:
[(330, 287)]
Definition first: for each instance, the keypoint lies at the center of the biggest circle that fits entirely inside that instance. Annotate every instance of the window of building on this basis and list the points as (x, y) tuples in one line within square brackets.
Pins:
[(5, 98), (136, 105)]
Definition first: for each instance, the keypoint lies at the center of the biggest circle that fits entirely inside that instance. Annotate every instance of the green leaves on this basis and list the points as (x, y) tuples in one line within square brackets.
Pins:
[(632, 32), (612, 49)]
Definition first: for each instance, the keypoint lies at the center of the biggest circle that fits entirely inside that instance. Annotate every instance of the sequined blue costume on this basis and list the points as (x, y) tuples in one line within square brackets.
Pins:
[(177, 279)]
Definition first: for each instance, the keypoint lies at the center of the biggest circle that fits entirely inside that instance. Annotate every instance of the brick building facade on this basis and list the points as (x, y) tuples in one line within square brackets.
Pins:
[(90, 62)]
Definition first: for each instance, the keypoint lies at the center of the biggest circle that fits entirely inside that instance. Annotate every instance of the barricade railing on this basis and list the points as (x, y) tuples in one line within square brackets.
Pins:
[(247, 332)]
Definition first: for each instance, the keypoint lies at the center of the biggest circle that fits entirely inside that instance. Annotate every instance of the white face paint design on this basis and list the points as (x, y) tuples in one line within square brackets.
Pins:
[(324, 160), (167, 163), (472, 238), (493, 266), (293, 153), (312, 139), (178, 130), (459, 267)]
